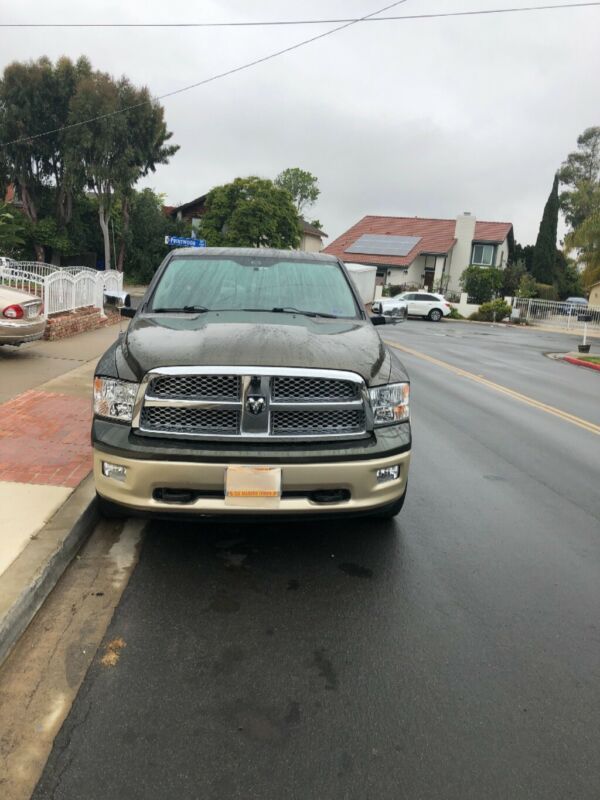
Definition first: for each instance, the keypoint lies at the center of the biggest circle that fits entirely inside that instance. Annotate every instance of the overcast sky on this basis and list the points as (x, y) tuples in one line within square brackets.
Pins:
[(409, 118)]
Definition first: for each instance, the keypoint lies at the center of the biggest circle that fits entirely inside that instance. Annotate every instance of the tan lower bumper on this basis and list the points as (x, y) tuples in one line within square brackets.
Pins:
[(358, 477), (17, 331)]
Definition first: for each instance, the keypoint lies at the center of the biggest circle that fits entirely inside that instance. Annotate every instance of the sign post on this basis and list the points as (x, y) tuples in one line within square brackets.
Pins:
[(585, 318), (182, 241)]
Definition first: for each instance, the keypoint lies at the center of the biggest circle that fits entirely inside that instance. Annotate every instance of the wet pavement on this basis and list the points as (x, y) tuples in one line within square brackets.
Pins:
[(453, 653)]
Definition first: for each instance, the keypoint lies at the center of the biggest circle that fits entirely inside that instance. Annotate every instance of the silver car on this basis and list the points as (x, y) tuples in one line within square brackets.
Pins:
[(21, 317)]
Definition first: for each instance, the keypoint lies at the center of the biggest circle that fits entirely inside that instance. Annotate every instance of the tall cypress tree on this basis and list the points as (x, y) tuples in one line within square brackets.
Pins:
[(544, 254)]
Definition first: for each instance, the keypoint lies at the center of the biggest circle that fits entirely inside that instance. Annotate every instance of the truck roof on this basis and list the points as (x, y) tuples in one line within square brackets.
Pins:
[(267, 252)]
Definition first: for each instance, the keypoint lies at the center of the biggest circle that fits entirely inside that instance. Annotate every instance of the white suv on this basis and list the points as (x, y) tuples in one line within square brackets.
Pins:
[(417, 304)]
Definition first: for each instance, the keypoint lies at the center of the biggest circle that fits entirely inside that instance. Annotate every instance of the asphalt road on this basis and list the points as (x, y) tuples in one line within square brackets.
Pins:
[(452, 654)]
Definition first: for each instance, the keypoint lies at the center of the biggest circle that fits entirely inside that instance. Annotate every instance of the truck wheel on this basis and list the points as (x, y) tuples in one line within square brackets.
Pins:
[(435, 315), (389, 512), (110, 510)]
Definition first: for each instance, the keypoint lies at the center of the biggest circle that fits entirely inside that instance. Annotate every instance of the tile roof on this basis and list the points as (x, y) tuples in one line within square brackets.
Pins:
[(437, 237)]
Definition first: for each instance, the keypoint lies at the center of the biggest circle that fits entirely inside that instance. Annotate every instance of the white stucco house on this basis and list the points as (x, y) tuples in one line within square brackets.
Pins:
[(417, 252), (311, 237)]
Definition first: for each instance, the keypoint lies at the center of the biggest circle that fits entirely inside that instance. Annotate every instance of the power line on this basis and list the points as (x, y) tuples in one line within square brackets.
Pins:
[(206, 80), (271, 23), (347, 23)]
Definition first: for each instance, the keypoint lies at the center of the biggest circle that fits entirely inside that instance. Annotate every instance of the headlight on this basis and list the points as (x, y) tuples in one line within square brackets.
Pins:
[(390, 403), (114, 399)]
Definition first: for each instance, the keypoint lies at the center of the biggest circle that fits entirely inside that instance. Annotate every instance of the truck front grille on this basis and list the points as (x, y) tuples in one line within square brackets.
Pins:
[(252, 403), (191, 420), (290, 388), (196, 387), (317, 422)]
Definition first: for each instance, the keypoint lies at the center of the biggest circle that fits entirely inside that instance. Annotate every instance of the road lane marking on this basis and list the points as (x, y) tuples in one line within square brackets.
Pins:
[(591, 427)]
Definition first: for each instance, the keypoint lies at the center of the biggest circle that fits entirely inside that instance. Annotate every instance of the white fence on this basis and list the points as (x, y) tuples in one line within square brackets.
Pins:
[(556, 314), (61, 288)]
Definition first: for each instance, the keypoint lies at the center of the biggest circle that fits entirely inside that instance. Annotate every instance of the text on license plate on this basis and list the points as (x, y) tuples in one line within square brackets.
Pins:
[(254, 486)]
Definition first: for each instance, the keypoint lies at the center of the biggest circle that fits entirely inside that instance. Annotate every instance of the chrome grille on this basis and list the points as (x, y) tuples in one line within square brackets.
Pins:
[(306, 389), (205, 387), (252, 403), (307, 423), (191, 420)]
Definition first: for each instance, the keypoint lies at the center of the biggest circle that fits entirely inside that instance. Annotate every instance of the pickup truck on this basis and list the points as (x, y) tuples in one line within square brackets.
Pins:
[(251, 383)]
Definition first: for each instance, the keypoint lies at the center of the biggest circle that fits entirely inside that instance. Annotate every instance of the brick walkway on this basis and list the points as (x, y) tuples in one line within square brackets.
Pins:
[(45, 439)]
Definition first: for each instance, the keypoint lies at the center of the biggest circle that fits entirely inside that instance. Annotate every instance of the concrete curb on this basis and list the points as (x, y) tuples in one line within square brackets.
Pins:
[(581, 363), (34, 573)]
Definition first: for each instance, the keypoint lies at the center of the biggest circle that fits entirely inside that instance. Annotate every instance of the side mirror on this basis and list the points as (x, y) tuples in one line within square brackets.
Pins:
[(379, 320), (117, 299), (127, 311)]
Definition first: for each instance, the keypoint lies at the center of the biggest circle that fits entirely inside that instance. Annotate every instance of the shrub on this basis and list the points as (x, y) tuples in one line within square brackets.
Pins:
[(481, 283), (527, 286), (546, 291), (488, 312), (454, 314)]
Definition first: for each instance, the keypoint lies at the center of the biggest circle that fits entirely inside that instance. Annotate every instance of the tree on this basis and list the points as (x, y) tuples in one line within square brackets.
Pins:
[(568, 279), (587, 238), (581, 172), (112, 152), (544, 255), (145, 236), (12, 231), (250, 212), (35, 97), (527, 286), (302, 185), (512, 275), (481, 284)]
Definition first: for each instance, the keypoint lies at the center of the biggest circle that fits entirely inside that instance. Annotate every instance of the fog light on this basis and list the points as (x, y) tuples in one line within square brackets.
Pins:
[(388, 474), (116, 471)]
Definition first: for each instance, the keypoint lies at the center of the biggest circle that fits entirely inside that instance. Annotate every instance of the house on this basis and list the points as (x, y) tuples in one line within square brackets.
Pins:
[(311, 238), (415, 252), (594, 299)]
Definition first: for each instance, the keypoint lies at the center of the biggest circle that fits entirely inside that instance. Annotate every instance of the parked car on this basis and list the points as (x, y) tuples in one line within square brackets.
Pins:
[(417, 304), (251, 383), (573, 305), (21, 317)]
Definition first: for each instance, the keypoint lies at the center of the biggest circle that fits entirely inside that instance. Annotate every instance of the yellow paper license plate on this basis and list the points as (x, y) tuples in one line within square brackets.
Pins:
[(255, 487)]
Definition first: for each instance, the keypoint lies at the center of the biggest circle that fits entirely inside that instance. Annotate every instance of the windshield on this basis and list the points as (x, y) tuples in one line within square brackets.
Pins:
[(254, 283)]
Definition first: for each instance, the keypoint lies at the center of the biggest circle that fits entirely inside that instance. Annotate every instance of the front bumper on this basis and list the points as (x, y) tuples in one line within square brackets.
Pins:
[(20, 331), (299, 480)]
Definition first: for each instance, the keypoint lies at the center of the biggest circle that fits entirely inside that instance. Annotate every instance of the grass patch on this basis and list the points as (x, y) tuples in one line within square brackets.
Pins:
[(591, 359)]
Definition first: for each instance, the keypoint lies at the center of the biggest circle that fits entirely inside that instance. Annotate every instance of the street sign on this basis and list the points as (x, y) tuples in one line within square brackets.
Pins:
[(182, 241)]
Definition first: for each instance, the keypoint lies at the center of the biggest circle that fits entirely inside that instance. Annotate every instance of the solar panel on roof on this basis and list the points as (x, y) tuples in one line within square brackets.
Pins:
[(384, 245)]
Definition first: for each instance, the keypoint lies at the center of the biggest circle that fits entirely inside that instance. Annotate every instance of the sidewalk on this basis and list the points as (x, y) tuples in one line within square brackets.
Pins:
[(44, 431)]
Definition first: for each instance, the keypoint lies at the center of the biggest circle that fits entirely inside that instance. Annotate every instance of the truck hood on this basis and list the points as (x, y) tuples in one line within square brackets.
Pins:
[(238, 339)]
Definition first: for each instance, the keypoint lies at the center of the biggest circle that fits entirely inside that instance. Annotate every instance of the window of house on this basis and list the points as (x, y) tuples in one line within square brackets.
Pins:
[(429, 262), (483, 255)]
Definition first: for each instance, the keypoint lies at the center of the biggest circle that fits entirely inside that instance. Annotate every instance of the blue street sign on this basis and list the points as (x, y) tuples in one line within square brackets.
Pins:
[(182, 241)]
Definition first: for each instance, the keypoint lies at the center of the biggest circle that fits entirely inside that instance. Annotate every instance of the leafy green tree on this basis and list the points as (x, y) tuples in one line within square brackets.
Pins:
[(568, 278), (250, 212), (481, 283), (523, 253), (587, 238), (580, 172), (12, 231), (145, 236), (111, 153), (512, 276), (302, 185), (35, 97), (543, 266)]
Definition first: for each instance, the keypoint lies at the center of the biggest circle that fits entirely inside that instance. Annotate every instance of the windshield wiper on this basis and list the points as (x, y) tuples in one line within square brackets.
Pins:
[(292, 310), (184, 310)]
